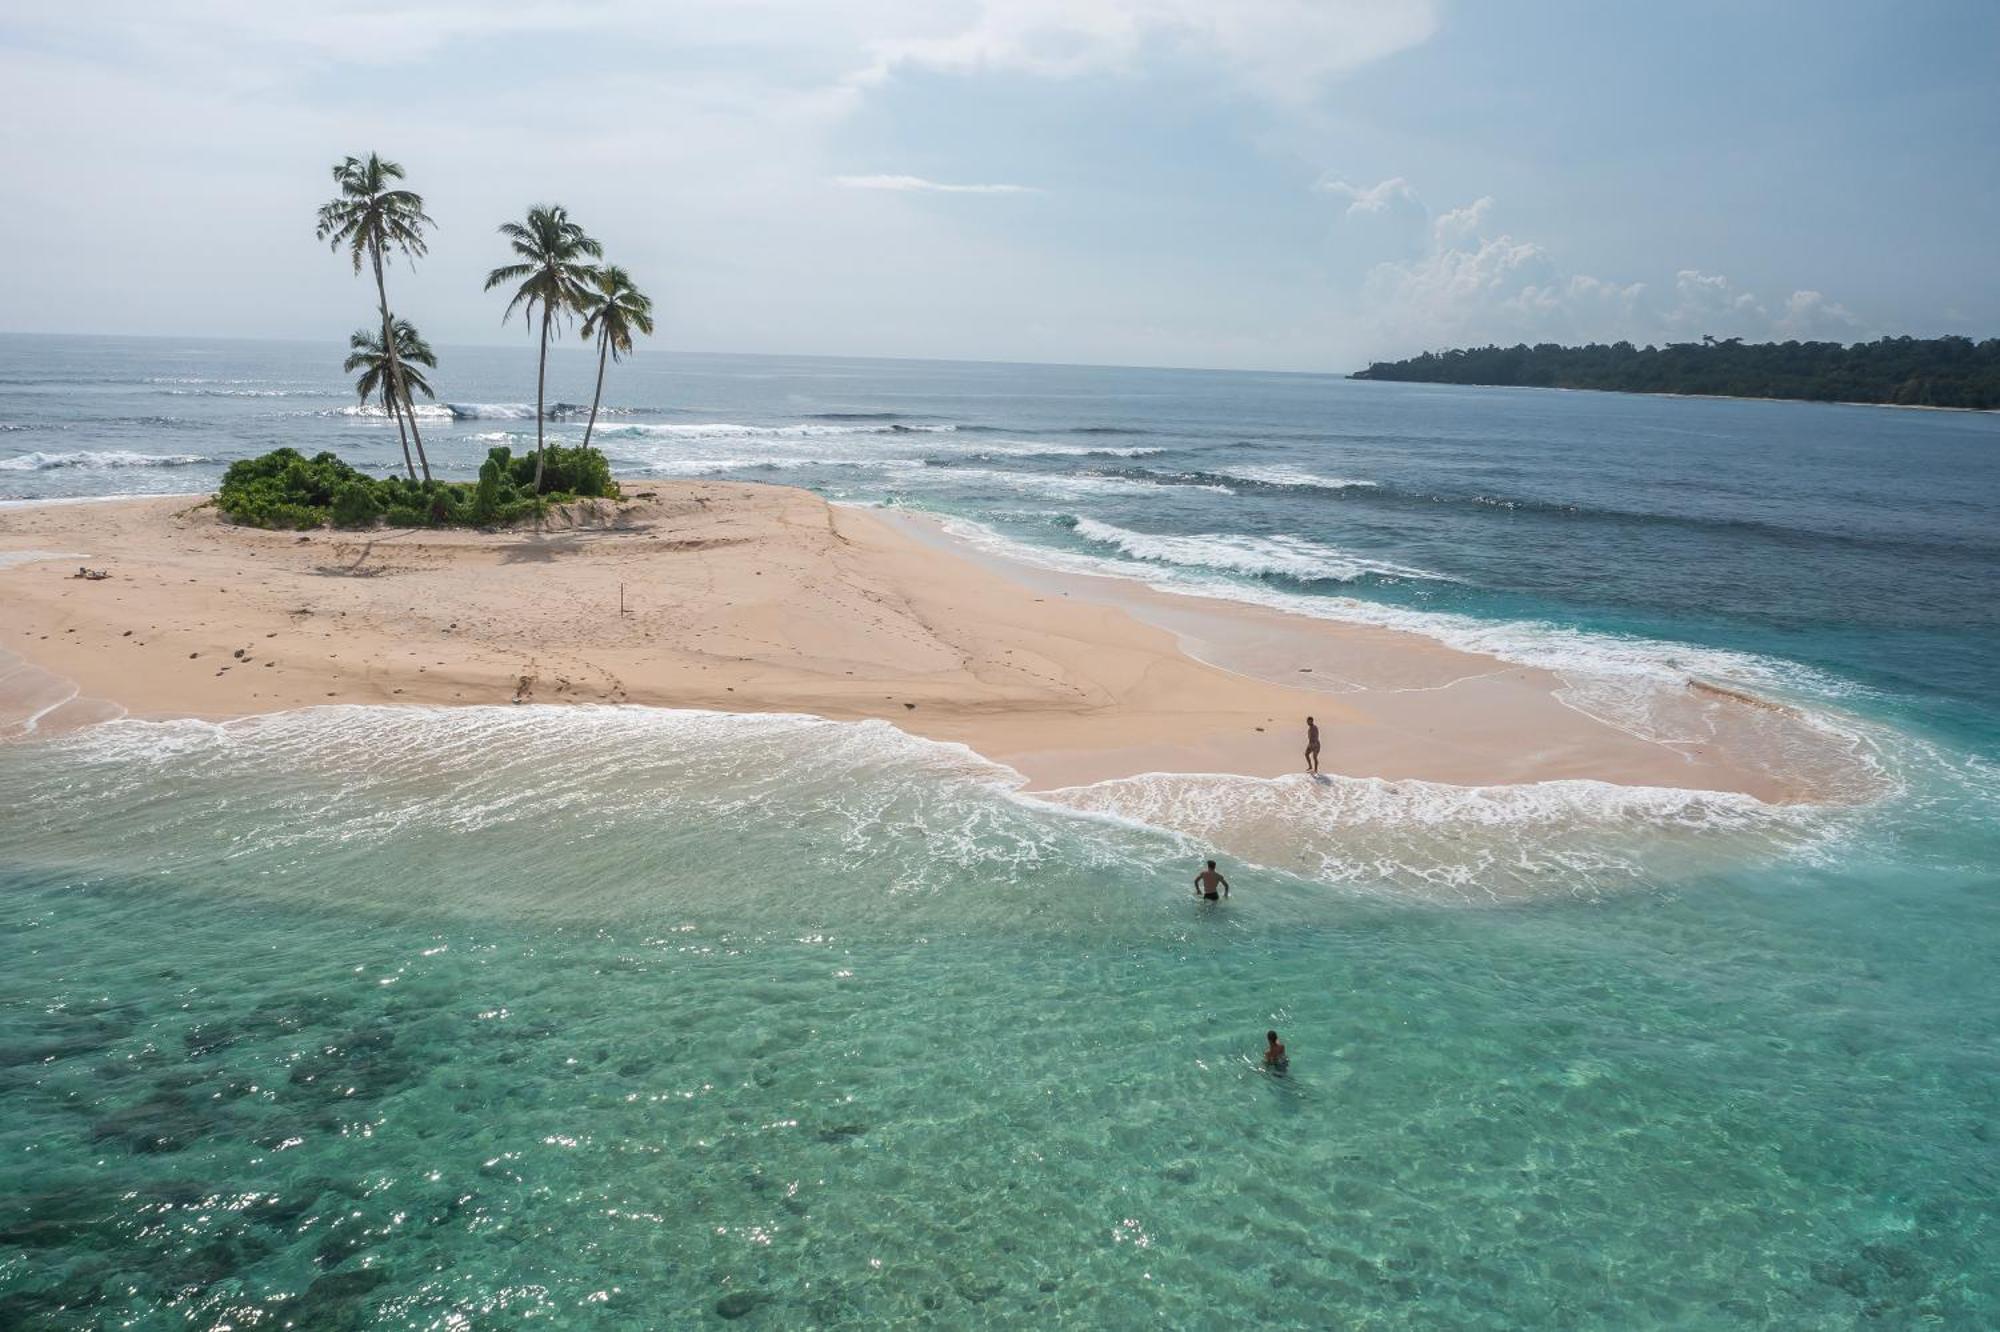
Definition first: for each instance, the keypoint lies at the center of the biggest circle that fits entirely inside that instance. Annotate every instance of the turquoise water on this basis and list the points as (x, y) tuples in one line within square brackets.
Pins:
[(369, 1019), (381, 1018)]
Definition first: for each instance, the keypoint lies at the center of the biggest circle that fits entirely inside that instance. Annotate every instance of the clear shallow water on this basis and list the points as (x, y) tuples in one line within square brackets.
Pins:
[(393, 1018)]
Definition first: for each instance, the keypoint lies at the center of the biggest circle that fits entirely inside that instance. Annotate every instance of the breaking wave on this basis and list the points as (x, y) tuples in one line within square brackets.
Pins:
[(1600, 668), (1288, 556), (1282, 477), (97, 460), (803, 430)]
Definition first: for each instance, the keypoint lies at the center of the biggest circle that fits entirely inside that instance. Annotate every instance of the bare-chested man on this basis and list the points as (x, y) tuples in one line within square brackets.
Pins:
[(1206, 882), (1312, 746)]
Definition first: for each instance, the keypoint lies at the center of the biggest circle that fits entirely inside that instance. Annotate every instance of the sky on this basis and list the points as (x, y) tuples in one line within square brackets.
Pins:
[(1272, 184)]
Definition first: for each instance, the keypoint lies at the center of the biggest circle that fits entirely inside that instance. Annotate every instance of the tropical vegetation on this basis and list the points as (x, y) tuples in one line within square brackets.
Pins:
[(372, 217), (555, 281), (554, 278), (285, 489), (378, 364), (613, 313), (1904, 371)]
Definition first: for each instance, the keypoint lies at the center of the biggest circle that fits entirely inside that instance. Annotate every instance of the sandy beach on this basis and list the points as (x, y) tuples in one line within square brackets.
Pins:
[(762, 598)]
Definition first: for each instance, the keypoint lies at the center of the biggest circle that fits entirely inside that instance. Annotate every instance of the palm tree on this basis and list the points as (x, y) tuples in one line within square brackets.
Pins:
[(404, 354), (368, 218), (553, 276), (617, 310)]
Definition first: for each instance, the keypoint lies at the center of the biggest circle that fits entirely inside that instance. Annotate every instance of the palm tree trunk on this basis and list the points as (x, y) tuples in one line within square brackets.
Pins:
[(541, 379), (396, 385), (603, 346), (410, 410), (389, 403)]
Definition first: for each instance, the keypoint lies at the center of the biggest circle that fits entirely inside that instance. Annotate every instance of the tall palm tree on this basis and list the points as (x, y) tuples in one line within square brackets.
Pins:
[(372, 216), (380, 366), (616, 311), (553, 276)]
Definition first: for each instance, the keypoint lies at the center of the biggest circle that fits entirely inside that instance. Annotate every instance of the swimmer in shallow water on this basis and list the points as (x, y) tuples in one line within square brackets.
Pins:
[(1205, 884), (1274, 1053)]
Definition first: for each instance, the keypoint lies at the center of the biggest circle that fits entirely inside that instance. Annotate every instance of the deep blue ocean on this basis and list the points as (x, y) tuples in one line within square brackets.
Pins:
[(619, 1018)]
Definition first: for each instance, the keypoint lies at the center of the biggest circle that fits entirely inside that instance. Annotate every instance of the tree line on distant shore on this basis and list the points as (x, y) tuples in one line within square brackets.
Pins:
[(374, 219), (1903, 371)]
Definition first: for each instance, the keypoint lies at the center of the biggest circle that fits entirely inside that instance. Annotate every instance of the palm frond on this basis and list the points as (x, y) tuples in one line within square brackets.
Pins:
[(507, 273)]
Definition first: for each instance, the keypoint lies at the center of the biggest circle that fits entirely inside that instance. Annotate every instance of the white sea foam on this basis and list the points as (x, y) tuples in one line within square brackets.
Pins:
[(1028, 448), (491, 411), (39, 502), (1283, 475), (1462, 844), (1292, 556), (870, 795), (676, 463), (427, 410), (1057, 485), (96, 460), (1576, 653), (802, 430), (248, 393)]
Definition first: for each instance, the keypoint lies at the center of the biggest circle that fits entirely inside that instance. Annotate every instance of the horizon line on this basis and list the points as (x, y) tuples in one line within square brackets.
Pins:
[(682, 351)]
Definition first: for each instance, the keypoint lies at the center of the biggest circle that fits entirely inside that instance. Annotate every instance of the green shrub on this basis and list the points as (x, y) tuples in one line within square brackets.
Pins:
[(285, 489), (485, 506), (355, 505), (576, 471)]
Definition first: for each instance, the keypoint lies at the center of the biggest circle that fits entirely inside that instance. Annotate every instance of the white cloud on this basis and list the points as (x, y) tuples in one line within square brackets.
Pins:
[(1284, 50), (918, 185), (1810, 315), (1457, 226), (1471, 284), (1391, 195)]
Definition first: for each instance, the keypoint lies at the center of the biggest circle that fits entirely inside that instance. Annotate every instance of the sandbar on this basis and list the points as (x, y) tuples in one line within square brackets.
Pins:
[(757, 598)]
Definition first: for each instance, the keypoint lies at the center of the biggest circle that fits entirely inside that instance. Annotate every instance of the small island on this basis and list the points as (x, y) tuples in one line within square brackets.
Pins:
[(1950, 372)]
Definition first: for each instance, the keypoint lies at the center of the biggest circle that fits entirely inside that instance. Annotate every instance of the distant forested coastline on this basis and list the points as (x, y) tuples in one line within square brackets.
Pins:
[(1903, 372)]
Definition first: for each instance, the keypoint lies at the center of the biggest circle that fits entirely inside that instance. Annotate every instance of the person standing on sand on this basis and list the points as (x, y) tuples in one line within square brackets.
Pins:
[(1312, 746), (1205, 884)]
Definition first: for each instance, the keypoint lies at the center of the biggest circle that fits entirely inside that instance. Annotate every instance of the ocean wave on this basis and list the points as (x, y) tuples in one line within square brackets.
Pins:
[(1036, 449), (876, 805), (490, 411), (192, 379), (1052, 485), (927, 819), (1471, 845), (803, 430), (373, 411), (1575, 653), (94, 460), (248, 393), (1289, 556), (1785, 534), (715, 465), (1284, 477)]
